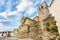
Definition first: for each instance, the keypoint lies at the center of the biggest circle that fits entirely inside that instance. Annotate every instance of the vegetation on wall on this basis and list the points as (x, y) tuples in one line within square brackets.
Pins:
[(54, 28)]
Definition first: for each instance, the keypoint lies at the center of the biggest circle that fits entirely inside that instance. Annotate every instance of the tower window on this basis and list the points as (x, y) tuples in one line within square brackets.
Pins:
[(41, 6)]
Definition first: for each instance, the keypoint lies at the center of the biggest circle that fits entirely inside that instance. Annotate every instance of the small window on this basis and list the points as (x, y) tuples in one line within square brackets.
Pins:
[(41, 6)]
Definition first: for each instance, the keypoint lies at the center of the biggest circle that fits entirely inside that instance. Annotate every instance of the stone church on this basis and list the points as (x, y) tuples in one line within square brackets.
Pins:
[(41, 27)]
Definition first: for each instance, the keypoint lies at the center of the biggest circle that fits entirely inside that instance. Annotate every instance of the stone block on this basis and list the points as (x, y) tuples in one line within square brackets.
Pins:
[(33, 34), (23, 35), (32, 28), (23, 29)]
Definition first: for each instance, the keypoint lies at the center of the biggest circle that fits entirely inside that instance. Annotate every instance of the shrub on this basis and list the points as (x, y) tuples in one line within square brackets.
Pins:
[(54, 28)]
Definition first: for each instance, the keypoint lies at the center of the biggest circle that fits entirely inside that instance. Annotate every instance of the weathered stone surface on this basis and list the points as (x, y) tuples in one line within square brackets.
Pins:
[(32, 28), (26, 20), (33, 34), (36, 18), (23, 35), (23, 28), (41, 27)]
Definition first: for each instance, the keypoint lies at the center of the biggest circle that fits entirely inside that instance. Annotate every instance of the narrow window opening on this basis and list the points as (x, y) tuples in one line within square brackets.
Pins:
[(41, 6)]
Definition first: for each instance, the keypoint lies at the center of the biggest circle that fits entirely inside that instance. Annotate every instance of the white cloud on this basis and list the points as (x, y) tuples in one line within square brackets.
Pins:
[(1, 24), (19, 16), (29, 5), (9, 13), (5, 21), (3, 14), (2, 2), (37, 2), (30, 11), (25, 0), (25, 4), (21, 6), (8, 4)]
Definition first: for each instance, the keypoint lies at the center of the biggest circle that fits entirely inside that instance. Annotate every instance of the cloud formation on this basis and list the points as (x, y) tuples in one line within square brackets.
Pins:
[(11, 12)]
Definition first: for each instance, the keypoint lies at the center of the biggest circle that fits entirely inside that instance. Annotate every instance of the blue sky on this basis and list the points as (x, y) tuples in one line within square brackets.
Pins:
[(11, 12)]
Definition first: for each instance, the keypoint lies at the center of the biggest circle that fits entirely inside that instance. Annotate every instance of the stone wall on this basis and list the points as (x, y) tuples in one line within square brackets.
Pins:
[(36, 18), (41, 27)]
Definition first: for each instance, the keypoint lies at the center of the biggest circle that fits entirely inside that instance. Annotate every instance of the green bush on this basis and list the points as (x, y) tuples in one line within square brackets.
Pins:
[(54, 28)]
